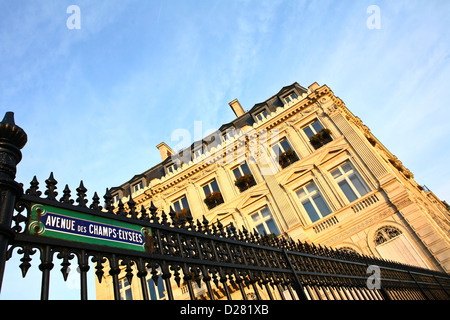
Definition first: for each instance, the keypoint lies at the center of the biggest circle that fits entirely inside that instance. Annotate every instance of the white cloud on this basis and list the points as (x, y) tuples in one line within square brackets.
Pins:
[(100, 99)]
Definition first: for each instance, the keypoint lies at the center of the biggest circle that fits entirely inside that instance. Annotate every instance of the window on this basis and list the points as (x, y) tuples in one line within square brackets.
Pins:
[(228, 135), (180, 204), (392, 244), (349, 181), (200, 151), (213, 197), (244, 178), (181, 208), (384, 234), (348, 250), (156, 290), (211, 187), (312, 128), (281, 146), (116, 198), (125, 289), (313, 202), (138, 187), (261, 115), (291, 97), (284, 153), (317, 134), (264, 223), (241, 170), (172, 168)]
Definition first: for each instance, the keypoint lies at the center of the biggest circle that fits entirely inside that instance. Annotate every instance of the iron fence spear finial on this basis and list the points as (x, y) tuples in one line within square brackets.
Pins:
[(12, 139)]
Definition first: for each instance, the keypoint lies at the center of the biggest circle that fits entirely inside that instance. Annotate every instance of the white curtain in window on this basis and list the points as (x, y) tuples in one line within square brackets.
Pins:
[(401, 250)]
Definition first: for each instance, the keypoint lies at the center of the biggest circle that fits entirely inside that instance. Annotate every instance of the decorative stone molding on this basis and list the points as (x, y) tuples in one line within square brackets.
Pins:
[(360, 226), (400, 167)]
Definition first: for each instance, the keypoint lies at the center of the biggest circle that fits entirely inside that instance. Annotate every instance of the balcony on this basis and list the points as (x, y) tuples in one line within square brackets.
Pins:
[(287, 158), (182, 213), (213, 199), (321, 138), (324, 224), (244, 182), (347, 213), (364, 203)]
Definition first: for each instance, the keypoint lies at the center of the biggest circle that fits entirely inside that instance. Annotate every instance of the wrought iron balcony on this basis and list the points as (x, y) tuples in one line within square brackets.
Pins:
[(287, 158), (213, 199), (244, 182), (321, 138)]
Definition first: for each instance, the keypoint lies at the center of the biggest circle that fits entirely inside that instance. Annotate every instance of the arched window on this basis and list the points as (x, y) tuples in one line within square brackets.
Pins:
[(348, 250), (385, 234), (392, 244)]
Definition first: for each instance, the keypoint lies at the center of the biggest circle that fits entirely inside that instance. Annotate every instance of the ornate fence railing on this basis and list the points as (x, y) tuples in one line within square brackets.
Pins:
[(141, 242)]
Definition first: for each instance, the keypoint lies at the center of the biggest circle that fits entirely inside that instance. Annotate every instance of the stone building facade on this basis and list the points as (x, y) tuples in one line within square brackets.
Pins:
[(299, 164)]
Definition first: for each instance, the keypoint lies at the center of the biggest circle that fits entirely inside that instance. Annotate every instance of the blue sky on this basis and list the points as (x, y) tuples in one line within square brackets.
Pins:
[(96, 101)]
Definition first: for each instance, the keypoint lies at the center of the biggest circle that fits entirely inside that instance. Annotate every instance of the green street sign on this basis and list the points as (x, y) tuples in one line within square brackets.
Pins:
[(58, 223)]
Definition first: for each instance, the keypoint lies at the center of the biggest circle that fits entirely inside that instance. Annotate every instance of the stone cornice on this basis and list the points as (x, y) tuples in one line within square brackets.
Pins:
[(274, 119)]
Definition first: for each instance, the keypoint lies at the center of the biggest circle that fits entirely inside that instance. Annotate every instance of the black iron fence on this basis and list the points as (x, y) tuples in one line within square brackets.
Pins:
[(139, 242)]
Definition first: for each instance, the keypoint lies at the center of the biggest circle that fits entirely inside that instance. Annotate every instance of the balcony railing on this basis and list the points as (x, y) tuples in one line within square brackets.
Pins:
[(364, 203), (340, 214), (244, 182), (287, 158), (213, 199), (321, 138), (325, 224)]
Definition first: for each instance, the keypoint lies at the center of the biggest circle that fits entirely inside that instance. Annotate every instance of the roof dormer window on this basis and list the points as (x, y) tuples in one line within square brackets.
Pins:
[(138, 186), (290, 97), (199, 152), (172, 168), (261, 115), (229, 135), (199, 149)]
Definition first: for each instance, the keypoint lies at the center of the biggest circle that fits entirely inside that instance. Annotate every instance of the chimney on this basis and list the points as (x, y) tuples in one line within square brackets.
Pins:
[(237, 108), (165, 150), (314, 86)]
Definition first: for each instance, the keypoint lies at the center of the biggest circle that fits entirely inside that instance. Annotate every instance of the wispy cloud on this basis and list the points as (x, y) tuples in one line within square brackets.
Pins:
[(99, 99)]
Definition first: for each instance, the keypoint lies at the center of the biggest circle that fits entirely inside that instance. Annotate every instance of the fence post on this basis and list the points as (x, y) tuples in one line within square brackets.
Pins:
[(421, 289), (297, 285), (442, 287), (12, 139)]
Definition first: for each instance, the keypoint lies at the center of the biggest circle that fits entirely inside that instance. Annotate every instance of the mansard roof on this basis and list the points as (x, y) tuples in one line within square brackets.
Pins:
[(247, 118)]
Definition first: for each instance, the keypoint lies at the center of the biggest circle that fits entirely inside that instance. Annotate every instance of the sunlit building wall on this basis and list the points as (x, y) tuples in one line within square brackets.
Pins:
[(301, 165)]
